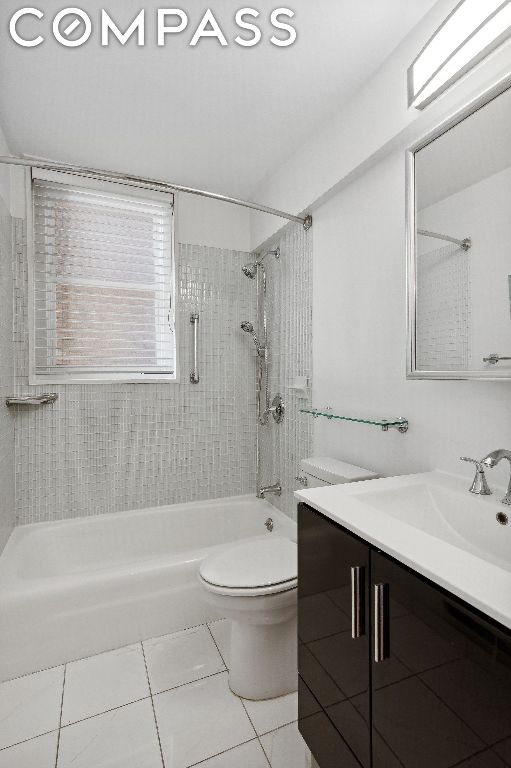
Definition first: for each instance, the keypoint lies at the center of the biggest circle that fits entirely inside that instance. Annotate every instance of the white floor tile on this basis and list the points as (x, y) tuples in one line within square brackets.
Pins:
[(104, 682), (200, 720), (221, 631), (180, 658), (272, 713), (247, 756), (122, 738), (30, 706), (36, 753), (285, 748)]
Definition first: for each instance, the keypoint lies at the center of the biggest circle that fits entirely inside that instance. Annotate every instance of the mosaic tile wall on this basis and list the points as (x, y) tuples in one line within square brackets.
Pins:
[(443, 310), (111, 447), (289, 309), (7, 501)]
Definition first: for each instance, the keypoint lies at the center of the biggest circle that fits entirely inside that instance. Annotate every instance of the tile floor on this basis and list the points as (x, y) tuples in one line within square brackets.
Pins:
[(162, 703)]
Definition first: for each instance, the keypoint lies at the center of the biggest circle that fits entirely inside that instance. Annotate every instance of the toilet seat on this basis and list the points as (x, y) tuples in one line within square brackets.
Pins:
[(252, 568)]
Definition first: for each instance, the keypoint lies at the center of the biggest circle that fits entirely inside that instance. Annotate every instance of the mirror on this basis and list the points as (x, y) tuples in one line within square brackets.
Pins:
[(459, 240)]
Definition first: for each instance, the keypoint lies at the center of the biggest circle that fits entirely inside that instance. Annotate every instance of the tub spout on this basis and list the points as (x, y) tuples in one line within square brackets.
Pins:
[(276, 490)]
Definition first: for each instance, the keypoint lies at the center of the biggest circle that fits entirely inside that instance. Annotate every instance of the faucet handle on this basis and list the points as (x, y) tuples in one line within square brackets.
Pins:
[(480, 466), (479, 485)]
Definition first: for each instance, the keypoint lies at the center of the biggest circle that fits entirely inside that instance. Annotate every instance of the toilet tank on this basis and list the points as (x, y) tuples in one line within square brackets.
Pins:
[(323, 470)]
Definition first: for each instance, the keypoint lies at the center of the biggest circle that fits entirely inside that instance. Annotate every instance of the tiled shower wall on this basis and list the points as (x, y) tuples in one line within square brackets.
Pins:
[(7, 500), (443, 310), (289, 310), (110, 447)]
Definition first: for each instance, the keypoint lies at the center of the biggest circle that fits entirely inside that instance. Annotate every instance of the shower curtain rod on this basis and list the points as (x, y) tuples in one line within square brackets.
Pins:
[(465, 244), (153, 184)]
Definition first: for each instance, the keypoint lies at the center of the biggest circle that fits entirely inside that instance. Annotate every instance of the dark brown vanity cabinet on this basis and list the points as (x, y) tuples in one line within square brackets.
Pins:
[(394, 671)]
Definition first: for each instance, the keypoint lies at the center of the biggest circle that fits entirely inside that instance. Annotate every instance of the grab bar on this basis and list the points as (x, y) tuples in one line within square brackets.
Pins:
[(45, 399), (194, 375), (494, 359)]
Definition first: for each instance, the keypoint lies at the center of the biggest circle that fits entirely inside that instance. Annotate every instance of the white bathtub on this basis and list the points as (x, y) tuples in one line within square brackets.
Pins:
[(74, 588)]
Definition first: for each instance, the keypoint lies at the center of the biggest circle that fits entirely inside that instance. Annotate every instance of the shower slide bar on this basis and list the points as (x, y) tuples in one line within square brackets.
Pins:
[(152, 184), (466, 244), (45, 399), (194, 375)]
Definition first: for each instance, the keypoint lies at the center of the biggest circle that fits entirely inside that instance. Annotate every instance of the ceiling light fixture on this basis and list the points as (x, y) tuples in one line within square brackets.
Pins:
[(474, 29)]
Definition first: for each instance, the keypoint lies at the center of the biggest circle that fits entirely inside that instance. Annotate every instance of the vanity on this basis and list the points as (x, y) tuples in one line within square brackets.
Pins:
[(404, 624)]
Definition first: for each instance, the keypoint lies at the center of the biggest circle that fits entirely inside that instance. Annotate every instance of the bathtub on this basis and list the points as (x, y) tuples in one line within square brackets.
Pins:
[(73, 588)]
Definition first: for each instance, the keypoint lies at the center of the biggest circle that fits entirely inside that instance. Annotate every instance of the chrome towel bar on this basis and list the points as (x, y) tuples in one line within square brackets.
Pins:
[(194, 375), (48, 397)]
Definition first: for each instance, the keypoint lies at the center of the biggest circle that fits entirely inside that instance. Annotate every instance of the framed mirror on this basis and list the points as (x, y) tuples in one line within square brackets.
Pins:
[(459, 245)]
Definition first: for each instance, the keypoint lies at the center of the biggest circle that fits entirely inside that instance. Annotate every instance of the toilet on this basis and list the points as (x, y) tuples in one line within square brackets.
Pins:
[(253, 583)]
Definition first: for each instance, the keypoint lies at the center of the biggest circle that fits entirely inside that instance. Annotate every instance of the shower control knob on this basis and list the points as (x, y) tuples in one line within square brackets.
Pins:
[(277, 409)]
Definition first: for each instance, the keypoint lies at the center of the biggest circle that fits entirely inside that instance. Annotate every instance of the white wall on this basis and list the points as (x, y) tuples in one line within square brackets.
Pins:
[(364, 130), (359, 344), (201, 221)]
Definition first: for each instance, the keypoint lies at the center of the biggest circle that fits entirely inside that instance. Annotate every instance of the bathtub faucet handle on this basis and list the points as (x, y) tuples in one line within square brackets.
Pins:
[(269, 524)]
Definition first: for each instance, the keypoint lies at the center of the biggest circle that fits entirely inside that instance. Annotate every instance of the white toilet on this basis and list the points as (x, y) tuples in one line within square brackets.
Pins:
[(254, 583)]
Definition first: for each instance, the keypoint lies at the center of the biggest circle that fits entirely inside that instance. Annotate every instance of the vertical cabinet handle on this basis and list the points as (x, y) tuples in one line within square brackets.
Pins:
[(381, 623), (357, 602)]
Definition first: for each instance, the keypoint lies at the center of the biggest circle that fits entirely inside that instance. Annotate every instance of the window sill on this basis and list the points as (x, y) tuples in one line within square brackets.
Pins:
[(39, 381)]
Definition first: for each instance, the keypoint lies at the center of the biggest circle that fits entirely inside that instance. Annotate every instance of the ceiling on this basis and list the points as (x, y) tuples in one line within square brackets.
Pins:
[(211, 117)]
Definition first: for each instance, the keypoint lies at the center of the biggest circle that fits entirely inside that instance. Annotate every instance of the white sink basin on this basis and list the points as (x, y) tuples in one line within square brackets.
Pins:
[(433, 524), (442, 507)]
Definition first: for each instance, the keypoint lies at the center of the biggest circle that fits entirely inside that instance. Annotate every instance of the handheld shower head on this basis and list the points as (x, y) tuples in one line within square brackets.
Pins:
[(247, 327)]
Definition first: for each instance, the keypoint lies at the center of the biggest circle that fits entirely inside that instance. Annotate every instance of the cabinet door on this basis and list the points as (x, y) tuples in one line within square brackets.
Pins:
[(333, 637), (441, 689)]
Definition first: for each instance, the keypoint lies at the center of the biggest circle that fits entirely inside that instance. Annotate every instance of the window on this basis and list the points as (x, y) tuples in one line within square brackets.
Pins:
[(102, 282)]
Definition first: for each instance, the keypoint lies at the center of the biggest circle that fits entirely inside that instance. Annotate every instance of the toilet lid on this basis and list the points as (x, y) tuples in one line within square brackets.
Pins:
[(251, 564)]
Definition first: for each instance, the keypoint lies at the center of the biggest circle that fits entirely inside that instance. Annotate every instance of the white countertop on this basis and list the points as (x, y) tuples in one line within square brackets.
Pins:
[(474, 578)]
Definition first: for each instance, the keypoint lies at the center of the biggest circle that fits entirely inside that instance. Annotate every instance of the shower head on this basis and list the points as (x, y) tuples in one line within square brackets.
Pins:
[(249, 328), (250, 270)]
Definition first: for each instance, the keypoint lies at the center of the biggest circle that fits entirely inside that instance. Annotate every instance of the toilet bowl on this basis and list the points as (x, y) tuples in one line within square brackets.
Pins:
[(254, 584)]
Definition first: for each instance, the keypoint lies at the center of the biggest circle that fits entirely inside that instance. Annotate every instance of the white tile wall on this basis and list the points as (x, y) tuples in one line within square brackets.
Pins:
[(109, 447), (443, 309), (289, 303), (7, 503)]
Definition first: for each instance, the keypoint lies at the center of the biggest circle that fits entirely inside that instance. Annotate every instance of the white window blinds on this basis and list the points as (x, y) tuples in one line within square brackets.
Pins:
[(102, 277)]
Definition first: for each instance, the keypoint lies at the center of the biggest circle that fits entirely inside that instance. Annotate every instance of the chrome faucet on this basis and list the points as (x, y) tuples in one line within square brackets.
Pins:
[(276, 490), (494, 458), (479, 485)]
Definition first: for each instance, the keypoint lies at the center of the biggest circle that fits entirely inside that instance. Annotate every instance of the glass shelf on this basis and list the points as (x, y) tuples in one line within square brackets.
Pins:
[(385, 424)]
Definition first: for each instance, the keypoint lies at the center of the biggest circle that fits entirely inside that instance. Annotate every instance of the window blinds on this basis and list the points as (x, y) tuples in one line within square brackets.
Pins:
[(102, 283)]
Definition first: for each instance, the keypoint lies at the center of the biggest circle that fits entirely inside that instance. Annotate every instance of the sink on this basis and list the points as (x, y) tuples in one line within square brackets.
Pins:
[(441, 506), (431, 523)]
